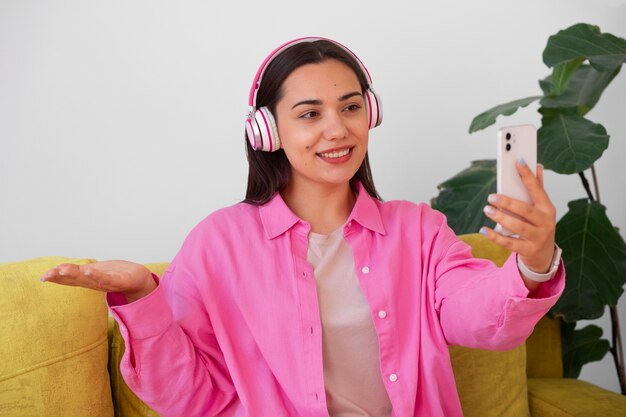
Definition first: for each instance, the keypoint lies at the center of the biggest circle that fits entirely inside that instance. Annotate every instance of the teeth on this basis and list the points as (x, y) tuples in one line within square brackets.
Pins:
[(338, 154)]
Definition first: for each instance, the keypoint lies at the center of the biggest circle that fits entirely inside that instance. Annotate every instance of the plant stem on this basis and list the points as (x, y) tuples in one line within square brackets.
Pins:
[(617, 348), (583, 178), (595, 182)]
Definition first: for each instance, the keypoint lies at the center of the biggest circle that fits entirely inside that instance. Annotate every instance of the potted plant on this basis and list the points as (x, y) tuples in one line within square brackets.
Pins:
[(584, 61)]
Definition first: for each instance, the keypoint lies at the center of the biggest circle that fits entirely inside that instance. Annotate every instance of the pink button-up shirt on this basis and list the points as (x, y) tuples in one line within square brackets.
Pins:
[(234, 329)]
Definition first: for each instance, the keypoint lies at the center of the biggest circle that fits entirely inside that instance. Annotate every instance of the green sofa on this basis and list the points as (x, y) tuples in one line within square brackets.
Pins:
[(60, 357)]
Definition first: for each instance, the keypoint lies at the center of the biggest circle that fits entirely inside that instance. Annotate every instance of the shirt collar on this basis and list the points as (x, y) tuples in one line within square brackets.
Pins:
[(277, 218), (366, 211)]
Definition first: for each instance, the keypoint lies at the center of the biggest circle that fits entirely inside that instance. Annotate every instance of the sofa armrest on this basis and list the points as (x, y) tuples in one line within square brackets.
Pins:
[(543, 350), (564, 397)]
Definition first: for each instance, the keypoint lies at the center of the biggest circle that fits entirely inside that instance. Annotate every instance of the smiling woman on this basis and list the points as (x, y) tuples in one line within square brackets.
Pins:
[(312, 296), (270, 172)]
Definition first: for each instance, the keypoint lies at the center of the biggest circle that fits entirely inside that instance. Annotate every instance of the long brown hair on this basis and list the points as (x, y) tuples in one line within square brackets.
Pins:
[(269, 172)]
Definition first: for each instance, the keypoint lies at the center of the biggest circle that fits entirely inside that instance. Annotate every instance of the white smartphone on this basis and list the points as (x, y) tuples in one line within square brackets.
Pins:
[(515, 143)]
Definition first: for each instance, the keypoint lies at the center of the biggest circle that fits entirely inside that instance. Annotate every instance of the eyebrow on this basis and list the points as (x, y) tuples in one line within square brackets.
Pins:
[(315, 102)]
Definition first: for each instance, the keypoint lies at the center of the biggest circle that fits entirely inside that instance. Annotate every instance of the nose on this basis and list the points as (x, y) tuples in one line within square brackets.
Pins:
[(335, 127)]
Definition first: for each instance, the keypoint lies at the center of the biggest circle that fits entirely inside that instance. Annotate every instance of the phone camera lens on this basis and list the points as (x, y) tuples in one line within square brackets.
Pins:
[(508, 136), (508, 146)]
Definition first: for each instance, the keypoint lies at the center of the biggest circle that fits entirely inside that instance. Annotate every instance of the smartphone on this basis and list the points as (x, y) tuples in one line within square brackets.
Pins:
[(515, 143)]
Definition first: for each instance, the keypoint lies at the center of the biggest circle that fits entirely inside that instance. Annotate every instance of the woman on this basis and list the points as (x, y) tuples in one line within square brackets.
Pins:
[(313, 297)]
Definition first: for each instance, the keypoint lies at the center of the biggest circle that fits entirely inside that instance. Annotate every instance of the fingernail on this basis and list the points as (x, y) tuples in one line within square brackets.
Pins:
[(488, 210), (43, 279), (61, 272), (493, 198), (87, 273), (540, 165), (483, 231), (522, 162)]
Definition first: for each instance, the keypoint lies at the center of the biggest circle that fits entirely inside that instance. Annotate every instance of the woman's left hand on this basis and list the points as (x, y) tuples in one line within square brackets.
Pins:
[(535, 222)]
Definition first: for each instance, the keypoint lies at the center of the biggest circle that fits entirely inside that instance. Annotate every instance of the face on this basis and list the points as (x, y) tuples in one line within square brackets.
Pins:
[(322, 124)]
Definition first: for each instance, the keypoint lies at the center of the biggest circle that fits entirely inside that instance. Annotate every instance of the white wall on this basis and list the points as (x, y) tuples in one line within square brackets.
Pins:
[(121, 122)]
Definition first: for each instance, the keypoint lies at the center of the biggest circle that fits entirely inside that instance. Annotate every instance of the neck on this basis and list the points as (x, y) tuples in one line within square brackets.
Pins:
[(325, 208)]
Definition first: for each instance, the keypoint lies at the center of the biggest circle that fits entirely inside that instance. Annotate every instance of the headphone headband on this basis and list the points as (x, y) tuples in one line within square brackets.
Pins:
[(259, 74)]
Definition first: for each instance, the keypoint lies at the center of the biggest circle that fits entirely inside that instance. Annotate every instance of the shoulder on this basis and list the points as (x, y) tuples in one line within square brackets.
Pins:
[(403, 211), (228, 221), (416, 221)]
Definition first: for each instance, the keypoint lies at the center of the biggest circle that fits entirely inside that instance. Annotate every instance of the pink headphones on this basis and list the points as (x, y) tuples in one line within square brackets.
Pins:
[(260, 124)]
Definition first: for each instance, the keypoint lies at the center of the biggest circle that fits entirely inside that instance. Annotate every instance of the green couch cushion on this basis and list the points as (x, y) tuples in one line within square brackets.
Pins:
[(491, 383), (54, 345), (543, 350), (562, 397)]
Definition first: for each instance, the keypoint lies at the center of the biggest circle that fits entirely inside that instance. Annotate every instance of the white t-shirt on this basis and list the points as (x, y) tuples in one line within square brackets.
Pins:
[(352, 376)]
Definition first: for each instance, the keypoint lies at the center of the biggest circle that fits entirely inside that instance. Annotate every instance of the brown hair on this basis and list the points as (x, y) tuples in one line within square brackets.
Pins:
[(269, 172)]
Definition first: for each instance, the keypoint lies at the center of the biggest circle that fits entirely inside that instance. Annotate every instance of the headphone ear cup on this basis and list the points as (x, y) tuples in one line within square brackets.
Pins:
[(268, 131), (375, 108), (252, 132)]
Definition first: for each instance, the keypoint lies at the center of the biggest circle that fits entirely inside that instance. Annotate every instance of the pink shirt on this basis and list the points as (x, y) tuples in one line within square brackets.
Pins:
[(234, 327)]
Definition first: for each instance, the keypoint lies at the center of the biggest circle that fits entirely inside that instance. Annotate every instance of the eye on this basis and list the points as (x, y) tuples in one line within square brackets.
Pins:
[(309, 114), (353, 107)]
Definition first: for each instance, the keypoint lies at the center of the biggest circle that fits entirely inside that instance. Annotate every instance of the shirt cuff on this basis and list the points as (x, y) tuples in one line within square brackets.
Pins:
[(147, 317)]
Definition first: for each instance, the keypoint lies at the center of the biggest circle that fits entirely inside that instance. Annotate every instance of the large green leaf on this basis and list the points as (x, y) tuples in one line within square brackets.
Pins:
[(569, 143), (595, 261), (581, 347), (583, 91), (562, 73), (489, 117), (462, 197), (604, 51)]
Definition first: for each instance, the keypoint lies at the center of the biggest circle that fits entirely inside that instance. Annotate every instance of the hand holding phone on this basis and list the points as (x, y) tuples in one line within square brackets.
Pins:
[(522, 204), (515, 143)]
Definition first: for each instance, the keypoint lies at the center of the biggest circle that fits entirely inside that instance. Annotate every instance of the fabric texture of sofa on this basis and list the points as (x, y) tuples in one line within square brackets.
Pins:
[(60, 357)]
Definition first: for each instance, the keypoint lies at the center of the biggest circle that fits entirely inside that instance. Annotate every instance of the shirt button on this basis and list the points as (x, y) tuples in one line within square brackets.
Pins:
[(382, 314), (365, 270), (393, 377)]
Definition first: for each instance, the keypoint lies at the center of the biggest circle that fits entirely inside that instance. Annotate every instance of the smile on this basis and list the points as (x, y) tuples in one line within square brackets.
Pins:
[(335, 154)]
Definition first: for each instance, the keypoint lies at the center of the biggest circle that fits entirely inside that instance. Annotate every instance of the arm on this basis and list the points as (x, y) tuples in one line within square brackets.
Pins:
[(483, 306), (172, 358)]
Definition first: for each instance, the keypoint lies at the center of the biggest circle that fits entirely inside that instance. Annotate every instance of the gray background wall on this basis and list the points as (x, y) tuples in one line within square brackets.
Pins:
[(121, 122)]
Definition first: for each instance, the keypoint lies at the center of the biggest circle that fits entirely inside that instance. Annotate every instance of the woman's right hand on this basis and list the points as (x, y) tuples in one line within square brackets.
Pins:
[(133, 280)]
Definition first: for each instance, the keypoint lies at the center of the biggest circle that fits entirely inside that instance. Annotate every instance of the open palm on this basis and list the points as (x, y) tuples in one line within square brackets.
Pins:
[(131, 279)]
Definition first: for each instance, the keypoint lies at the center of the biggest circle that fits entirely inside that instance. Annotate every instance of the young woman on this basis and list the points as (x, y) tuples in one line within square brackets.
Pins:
[(313, 297)]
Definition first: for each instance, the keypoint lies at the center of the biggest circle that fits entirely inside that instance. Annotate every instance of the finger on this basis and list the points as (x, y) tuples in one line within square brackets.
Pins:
[(68, 280), (532, 184), (516, 225), (70, 275), (63, 270), (510, 243), (521, 209), (538, 215), (48, 274), (540, 175), (69, 270), (102, 281)]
